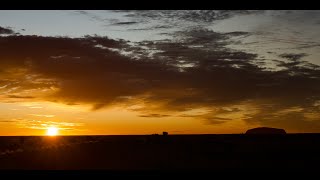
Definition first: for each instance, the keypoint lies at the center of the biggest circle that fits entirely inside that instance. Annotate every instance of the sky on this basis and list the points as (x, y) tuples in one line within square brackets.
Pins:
[(103, 72)]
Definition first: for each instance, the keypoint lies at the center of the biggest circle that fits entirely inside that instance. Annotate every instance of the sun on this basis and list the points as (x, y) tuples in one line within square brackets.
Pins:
[(52, 131)]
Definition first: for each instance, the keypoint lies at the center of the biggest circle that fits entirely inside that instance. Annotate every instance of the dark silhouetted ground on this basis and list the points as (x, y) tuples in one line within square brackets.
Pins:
[(266, 130), (158, 152)]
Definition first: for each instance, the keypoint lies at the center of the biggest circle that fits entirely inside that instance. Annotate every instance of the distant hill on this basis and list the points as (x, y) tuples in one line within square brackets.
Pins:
[(266, 130)]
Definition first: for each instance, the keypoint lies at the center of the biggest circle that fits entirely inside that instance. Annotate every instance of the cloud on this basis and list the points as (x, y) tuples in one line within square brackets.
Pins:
[(154, 115), (293, 57), (35, 107), (45, 124), (43, 115), (6, 121), (164, 19), (194, 69), (82, 12), (6, 31), (199, 16), (288, 118), (125, 23), (20, 97), (152, 28), (217, 120), (217, 115), (91, 15)]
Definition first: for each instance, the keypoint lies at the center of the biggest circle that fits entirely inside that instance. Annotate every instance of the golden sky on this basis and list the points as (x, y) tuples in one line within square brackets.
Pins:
[(145, 72)]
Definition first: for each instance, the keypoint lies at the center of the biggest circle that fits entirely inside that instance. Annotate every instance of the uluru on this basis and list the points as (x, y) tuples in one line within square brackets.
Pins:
[(266, 130)]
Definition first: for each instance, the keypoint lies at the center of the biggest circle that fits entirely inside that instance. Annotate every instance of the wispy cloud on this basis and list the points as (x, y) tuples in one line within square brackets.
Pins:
[(20, 97), (126, 23), (35, 107), (43, 115), (154, 115), (42, 124)]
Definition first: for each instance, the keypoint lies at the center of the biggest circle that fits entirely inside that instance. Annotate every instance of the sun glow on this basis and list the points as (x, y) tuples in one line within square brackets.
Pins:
[(52, 131)]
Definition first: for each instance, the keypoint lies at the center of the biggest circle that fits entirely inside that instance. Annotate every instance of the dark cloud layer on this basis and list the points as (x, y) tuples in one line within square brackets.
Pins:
[(195, 69), (166, 19), (205, 16)]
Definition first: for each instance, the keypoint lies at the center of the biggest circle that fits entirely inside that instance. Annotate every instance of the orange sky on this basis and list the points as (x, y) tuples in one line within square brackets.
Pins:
[(36, 118), (145, 72)]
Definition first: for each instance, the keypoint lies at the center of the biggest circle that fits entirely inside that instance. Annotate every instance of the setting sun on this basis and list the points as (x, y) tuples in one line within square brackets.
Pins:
[(52, 131)]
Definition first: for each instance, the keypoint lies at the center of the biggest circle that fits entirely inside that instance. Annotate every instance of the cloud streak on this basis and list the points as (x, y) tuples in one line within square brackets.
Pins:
[(125, 23), (43, 115)]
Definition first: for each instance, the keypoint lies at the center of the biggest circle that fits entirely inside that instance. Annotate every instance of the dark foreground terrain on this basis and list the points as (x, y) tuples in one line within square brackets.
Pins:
[(157, 152)]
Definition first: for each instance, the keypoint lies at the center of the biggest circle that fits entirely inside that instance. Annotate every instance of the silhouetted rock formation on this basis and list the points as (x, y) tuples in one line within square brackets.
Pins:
[(266, 130), (165, 133)]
